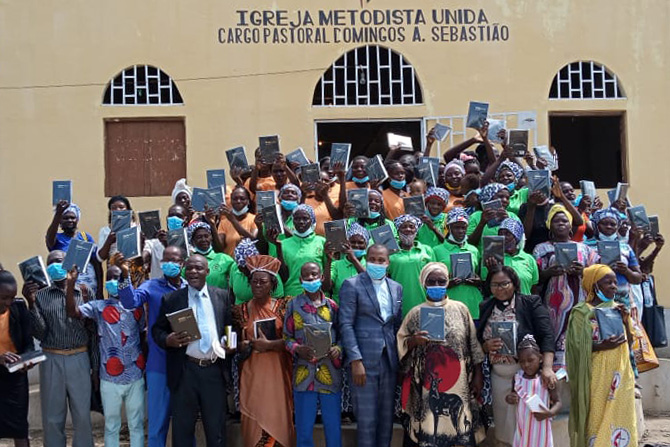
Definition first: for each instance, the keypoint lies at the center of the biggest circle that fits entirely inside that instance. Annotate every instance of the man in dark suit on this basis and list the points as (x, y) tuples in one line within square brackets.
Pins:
[(195, 374), (370, 316)]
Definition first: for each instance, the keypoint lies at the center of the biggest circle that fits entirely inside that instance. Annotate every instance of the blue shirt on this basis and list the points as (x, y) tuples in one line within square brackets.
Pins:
[(150, 292)]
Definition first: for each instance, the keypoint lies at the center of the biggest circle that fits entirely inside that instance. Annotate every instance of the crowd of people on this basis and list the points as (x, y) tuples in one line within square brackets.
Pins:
[(107, 332)]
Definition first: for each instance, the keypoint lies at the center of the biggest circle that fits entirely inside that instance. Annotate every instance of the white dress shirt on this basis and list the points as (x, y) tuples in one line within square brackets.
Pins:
[(384, 297), (200, 302)]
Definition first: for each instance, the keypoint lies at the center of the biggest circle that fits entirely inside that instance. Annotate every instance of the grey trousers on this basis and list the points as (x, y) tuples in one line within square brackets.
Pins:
[(65, 381)]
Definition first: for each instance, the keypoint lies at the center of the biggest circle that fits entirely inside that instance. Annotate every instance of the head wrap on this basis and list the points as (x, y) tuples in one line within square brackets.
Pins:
[(309, 209), (430, 268), (457, 214), (455, 163), (180, 187), (604, 214), (245, 248), (195, 226), (398, 221), (489, 191), (514, 167), (591, 276), (437, 193), (381, 196), (73, 208), (290, 186), (357, 229), (263, 263), (513, 226), (554, 210)]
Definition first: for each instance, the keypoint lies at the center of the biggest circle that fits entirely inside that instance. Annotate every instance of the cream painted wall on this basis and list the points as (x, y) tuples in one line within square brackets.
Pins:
[(56, 58)]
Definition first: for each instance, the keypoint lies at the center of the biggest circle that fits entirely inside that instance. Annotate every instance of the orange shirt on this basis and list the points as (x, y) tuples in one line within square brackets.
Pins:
[(321, 213), (6, 344), (232, 236), (393, 204), (451, 203), (334, 194), (579, 234), (354, 185), (262, 184)]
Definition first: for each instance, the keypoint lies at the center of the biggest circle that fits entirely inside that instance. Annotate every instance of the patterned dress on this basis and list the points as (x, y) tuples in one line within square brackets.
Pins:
[(530, 431)]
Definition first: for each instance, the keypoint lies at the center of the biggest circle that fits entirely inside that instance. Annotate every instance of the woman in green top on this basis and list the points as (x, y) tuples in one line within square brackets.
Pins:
[(465, 290), (377, 217), (509, 173), (406, 264), (432, 231), (219, 263), (290, 197), (523, 263), (240, 275), (303, 246), (486, 223), (350, 264)]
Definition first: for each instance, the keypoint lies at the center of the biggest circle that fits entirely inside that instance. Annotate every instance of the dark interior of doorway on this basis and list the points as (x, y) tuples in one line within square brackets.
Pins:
[(367, 138), (589, 147)]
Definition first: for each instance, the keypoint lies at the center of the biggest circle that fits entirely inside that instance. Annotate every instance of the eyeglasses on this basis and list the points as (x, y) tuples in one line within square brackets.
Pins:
[(436, 282), (501, 285)]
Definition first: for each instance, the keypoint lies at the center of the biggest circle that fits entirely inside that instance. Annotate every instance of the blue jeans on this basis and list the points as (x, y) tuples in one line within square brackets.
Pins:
[(305, 416), (158, 402), (113, 397)]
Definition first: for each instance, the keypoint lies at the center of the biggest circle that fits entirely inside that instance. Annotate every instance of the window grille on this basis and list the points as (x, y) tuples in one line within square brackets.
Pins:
[(369, 76), (142, 85), (585, 80)]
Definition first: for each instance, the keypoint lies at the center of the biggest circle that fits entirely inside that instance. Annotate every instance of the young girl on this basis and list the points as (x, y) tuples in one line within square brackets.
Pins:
[(532, 428)]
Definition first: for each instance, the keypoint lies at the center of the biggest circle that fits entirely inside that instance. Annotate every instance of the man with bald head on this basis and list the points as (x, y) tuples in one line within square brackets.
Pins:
[(195, 371), (151, 293)]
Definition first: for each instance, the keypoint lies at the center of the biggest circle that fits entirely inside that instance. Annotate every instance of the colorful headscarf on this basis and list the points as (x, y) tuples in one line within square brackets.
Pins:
[(457, 214), (309, 209), (489, 191), (293, 187), (554, 210), (513, 226), (514, 167), (398, 221), (604, 214), (356, 229), (179, 187), (263, 263), (437, 193), (591, 276), (196, 226), (430, 268), (455, 163), (73, 208), (245, 248)]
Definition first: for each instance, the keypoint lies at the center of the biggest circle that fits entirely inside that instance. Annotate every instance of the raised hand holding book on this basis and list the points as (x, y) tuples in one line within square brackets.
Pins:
[(121, 220), (150, 222), (34, 270), (477, 114), (269, 148), (237, 158), (78, 254), (61, 190)]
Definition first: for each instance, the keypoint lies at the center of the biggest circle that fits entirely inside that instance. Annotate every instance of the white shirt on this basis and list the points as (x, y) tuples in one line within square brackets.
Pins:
[(200, 302), (155, 249), (384, 297)]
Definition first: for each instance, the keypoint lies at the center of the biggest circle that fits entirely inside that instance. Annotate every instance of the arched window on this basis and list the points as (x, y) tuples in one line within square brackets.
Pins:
[(142, 85), (369, 76), (585, 80)]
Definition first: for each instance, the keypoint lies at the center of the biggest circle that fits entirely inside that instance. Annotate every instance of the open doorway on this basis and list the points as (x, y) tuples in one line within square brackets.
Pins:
[(366, 137), (590, 146)]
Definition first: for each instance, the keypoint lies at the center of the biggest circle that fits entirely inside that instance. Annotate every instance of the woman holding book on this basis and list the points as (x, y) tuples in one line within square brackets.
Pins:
[(560, 281), (240, 275), (377, 215), (509, 174), (434, 226), (487, 221), (440, 367), (359, 176), (393, 204), (602, 383), (319, 196), (505, 317), (351, 262), (454, 172), (237, 222), (200, 235), (266, 402)]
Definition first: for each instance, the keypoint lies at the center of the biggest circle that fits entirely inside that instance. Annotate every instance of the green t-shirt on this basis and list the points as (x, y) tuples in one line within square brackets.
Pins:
[(220, 265), (342, 269), (272, 249), (405, 267), (471, 296), (428, 237), (525, 266), (488, 231), (239, 283), (518, 198), (297, 251)]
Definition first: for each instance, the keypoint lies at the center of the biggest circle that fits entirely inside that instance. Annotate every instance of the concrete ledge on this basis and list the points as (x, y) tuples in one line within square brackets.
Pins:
[(655, 398)]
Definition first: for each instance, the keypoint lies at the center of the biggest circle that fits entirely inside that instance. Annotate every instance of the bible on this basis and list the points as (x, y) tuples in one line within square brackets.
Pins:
[(184, 321)]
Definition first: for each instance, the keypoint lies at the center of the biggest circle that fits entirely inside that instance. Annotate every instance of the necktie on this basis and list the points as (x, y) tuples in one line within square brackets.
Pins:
[(206, 340)]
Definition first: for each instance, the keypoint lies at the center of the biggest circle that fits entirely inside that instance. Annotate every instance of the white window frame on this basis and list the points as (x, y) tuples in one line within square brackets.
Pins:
[(132, 91), (576, 90)]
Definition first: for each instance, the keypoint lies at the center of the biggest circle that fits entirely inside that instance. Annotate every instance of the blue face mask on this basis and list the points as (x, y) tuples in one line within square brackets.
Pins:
[(170, 269), (289, 205), (376, 271), (112, 287), (434, 218), (56, 271), (602, 296), (311, 286), (576, 202), (174, 222), (612, 237), (305, 233), (359, 253), (361, 180), (202, 252), (244, 210), (397, 184), (374, 214), (511, 186), (436, 293)]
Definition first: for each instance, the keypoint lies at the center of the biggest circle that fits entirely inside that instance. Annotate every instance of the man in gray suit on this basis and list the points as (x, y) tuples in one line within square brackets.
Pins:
[(370, 316)]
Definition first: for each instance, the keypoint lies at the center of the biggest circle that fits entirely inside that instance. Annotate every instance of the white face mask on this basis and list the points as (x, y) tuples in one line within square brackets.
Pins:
[(451, 238), (613, 237), (241, 212)]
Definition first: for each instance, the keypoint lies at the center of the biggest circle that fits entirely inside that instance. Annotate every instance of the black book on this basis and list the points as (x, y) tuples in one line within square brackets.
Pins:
[(461, 265), (539, 181), (339, 153), (310, 173), (272, 218), (518, 141), (62, 190), (427, 173), (588, 189), (359, 199), (269, 148), (376, 170), (441, 131), (610, 322), (318, 336), (121, 220), (432, 321), (78, 254), (265, 199), (128, 242), (267, 327), (29, 358), (237, 158), (384, 235), (216, 178), (34, 270), (297, 156), (477, 114), (566, 253), (414, 205), (547, 155), (336, 233), (609, 251), (184, 321), (494, 204), (638, 217), (653, 226), (494, 246), (435, 161), (150, 222), (178, 238), (505, 331), (213, 198)]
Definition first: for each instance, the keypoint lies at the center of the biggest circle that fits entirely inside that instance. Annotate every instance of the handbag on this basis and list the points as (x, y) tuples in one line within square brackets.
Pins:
[(653, 318), (645, 357)]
